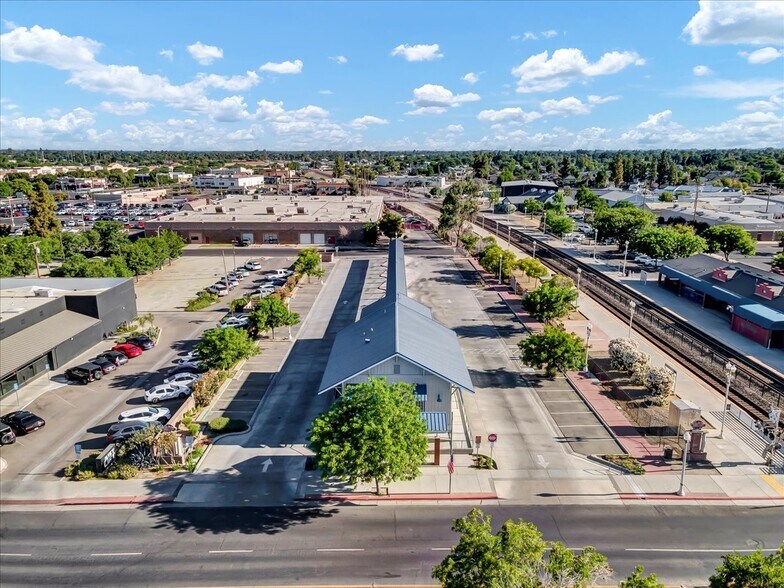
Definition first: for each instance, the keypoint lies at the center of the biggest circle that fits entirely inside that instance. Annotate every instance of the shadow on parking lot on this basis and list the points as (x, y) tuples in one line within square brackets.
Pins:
[(497, 378)]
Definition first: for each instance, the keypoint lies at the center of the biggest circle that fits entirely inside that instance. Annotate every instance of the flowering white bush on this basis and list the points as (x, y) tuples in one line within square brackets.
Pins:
[(640, 366), (619, 349), (660, 382)]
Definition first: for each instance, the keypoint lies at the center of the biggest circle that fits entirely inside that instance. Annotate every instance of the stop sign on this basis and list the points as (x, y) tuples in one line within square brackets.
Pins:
[(492, 437)]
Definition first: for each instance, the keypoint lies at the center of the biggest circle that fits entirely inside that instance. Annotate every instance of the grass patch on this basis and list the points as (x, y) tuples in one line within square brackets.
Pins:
[(194, 457), (627, 462), (202, 300), (484, 462), (227, 425)]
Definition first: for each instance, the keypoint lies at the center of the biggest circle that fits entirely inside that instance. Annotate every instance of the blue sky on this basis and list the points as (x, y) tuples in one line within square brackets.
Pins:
[(440, 75)]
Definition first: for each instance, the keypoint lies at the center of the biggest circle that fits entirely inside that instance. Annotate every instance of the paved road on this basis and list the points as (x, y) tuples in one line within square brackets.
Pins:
[(174, 546)]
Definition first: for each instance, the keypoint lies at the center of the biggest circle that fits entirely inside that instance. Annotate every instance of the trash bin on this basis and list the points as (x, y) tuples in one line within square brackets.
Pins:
[(668, 452)]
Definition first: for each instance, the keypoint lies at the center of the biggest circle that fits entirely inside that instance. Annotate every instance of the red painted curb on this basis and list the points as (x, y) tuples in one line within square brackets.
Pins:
[(629, 496), (91, 500), (369, 497)]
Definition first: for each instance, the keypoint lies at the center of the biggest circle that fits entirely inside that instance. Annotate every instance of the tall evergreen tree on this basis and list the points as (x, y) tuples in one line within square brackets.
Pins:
[(618, 170), (42, 219)]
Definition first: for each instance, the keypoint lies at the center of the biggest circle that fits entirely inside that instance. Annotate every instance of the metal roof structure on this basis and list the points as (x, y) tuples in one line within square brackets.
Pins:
[(394, 326)]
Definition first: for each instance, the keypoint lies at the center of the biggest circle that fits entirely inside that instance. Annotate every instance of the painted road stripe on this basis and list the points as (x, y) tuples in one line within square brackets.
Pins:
[(231, 551), (637, 490), (440, 549), (672, 550), (120, 554), (340, 549), (16, 555), (774, 483)]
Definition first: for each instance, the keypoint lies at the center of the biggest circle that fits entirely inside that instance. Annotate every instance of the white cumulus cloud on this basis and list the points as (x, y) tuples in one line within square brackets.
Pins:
[(737, 23), (543, 73), (340, 59), (418, 52), (730, 89), (773, 104), (284, 67), (167, 53), (514, 115), (470, 77), (764, 55), (125, 108), (49, 47), (574, 106), (701, 70), (435, 99), (205, 54), (364, 121), (32, 131)]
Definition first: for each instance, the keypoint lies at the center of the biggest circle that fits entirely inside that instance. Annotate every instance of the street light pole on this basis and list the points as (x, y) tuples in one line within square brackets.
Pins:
[(588, 330), (687, 439), (729, 372), (579, 275), (595, 241), (625, 253), (632, 306), (500, 269)]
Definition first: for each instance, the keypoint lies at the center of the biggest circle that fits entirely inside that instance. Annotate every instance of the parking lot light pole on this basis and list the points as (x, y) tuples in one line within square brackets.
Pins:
[(625, 253), (632, 306), (588, 329), (687, 439), (595, 241), (729, 373), (579, 275)]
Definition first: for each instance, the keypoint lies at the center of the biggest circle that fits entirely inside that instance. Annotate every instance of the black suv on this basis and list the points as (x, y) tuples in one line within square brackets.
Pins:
[(85, 373), (23, 422), (142, 341)]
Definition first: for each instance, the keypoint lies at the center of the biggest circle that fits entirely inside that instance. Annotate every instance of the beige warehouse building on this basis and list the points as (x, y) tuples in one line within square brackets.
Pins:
[(268, 219)]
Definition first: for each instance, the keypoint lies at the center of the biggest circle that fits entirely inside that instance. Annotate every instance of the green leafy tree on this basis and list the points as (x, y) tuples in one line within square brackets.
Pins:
[(777, 263), (666, 197), (222, 348), (238, 304), (339, 167), (459, 208), (533, 206), (22, 185), (74, 243), (494, 258), (533, 268), (373, 432), (618, 170), (391, 225), (469, 241), (554, 299), (729, 238), (481, 165), (5, 189), (16, 257), (139, 257), (308, 262), (638, 579), (370, 233), (175, 243), (271, 313), (42, 219), (558, 224), (752, 570), (621, 223), (556, 204), (515, 556), (111, 237), (555, 349)]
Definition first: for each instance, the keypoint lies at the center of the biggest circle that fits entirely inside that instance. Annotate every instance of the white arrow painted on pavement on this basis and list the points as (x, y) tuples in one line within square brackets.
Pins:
[(540, 459), (266, 465)]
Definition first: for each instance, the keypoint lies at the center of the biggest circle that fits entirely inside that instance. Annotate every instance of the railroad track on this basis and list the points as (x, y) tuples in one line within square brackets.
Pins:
[(755, 387)]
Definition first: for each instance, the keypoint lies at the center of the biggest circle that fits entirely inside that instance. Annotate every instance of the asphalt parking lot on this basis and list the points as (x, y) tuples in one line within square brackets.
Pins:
[(82, 414)]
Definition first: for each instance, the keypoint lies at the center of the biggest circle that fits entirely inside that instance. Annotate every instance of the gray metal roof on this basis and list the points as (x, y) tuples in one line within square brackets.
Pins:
[(23, 347), (399, 326)]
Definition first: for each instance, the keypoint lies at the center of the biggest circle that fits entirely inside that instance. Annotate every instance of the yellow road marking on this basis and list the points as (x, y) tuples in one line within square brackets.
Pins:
[(774, 483)]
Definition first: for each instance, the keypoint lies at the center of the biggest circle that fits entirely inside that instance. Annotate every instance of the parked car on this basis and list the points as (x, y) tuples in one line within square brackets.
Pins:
[(142, 341), (121, 431), (192, 367), (283, 273), (183, 379), (229, 282), (165, 392), (242, 271), (7, 435), (217, 289), (187, 358), (115, 357), (105, 365), (128, 349), (146, 413), (252, 265), (22, 422), (233, 323), (641, 258), (84, 373), (236, 277)]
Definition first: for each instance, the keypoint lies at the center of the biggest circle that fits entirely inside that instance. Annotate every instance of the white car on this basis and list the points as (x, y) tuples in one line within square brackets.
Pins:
[(642, 258), (236, 322), (235, 277), (189, 357), (230, 284), (166, 392), (184, 379), (282, 273), (218, 289), (146, 413), (252, 265), (242, 271)]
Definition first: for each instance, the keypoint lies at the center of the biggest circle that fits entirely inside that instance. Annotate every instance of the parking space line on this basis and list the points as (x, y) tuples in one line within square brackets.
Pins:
[(340, 549), (120, 554), (231, 551), (16, 555)]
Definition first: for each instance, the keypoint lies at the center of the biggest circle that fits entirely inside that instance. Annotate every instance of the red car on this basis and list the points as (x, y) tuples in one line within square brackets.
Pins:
[(127, 349)]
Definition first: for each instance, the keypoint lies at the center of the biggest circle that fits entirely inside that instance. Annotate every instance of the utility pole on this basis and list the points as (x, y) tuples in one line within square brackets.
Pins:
[(34, 245), (625, 253), (729, 373), (696, 199), (687, 440)]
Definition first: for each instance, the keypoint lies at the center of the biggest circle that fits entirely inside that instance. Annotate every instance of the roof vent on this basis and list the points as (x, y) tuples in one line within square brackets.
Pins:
[(15, 309), (300, 210), (270, 210), (44, 292)]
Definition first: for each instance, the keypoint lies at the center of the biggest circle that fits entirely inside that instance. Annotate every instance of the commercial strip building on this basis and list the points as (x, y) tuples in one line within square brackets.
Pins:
[(133, 197), (760, 229), (45, 323), (234, 181), (402, 181), (750, 298), (397, 338), (518, 192), (270, 219)]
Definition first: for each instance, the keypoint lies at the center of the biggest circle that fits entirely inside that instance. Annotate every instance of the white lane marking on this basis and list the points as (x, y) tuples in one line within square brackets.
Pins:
[(119, 554), (541, 461), (231, 551), (340, 549), (16, 555), (637, 490), (440, 549), (689, 550)]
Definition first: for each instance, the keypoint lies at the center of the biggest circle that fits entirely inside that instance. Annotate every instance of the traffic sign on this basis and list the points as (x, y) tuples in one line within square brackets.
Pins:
[(492, 437), (78, 450)]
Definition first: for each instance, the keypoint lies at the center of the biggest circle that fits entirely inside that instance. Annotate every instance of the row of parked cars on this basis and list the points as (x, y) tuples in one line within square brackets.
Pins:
[(110, 360), (230, 281)]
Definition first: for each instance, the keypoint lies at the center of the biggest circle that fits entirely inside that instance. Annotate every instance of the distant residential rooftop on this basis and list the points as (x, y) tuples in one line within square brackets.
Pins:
[(291, 209)]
